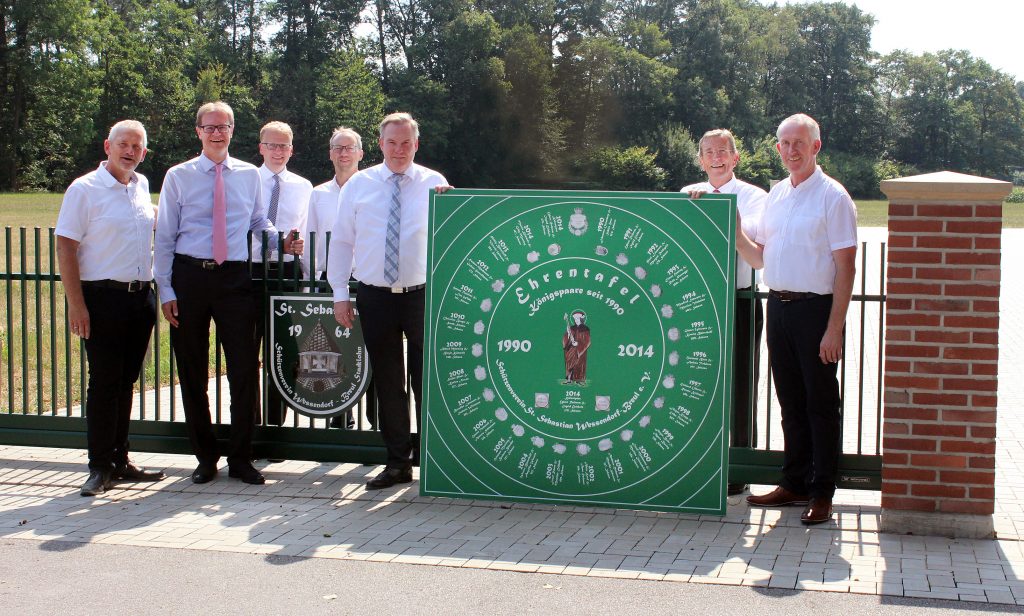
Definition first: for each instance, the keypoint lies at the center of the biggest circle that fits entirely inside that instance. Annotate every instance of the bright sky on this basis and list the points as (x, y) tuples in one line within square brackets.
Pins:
[(989, 29)]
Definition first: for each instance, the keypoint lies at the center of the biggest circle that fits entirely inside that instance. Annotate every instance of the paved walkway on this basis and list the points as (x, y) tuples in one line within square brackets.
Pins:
[(322, 511)]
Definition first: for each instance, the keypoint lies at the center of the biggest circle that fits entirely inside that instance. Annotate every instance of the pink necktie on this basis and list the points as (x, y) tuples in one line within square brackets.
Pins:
[(220, 219)]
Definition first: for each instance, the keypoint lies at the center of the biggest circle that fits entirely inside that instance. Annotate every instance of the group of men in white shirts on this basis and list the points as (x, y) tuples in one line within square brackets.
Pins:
[(802, 234)]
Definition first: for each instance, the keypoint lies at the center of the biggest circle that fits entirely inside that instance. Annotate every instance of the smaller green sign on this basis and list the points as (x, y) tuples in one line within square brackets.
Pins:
[(320, 367)]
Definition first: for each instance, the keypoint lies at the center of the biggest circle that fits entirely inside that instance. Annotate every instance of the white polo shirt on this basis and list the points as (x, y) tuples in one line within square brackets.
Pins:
[(113, 225), (323, 211), (750, 201), (800, 229), (292, 206)]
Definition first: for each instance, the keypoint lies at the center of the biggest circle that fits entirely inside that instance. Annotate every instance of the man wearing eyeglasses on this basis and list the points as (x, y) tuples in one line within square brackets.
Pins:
[(207, 207), (345, 151), (286, 201)]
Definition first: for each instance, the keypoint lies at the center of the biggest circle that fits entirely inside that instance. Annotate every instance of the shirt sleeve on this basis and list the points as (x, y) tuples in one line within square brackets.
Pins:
[(73, 219), (841, 224), (168, 220), (339, 264)]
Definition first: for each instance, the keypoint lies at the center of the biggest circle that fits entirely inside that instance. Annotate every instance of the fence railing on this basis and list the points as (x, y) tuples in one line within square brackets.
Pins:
[(43, 374)]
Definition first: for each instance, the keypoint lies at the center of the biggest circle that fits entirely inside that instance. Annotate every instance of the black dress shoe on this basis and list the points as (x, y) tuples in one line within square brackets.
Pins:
[(204, 473), (389, 477), (130, 472), (247, 474), (97, 483), (737, 488)]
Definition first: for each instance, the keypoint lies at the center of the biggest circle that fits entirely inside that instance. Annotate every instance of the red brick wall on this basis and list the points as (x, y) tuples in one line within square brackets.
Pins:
[(942, 335)]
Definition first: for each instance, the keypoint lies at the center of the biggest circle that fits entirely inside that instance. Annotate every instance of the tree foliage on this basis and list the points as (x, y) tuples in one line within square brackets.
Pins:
[(508, 92)]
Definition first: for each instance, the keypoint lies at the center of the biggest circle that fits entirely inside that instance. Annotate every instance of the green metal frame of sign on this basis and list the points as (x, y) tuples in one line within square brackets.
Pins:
[(578, 347)]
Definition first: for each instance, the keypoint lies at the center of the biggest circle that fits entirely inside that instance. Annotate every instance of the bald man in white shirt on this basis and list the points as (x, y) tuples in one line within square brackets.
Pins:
[(105, 248), (718, 158), (807, 244)]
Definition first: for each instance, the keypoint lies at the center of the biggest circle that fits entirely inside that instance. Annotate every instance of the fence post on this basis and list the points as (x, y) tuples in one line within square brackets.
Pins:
[(941, 354)]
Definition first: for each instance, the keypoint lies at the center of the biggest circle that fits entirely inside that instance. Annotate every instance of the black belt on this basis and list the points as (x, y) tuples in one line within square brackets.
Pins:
[(792, 296), (130, 287), (206, 264), (416, 287)]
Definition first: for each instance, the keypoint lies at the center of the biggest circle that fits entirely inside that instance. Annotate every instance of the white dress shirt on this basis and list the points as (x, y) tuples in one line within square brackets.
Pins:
[(292, 205), (113, 224), (323, 211), (801, 227), (360, 230), (750, 202), (185, 224)]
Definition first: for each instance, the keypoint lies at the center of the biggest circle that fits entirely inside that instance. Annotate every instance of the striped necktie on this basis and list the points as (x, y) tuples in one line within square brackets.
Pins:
[(275, 200), (391, 240)]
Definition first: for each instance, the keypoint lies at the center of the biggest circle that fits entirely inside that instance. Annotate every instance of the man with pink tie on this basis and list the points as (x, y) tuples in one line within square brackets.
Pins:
[(207, 207)]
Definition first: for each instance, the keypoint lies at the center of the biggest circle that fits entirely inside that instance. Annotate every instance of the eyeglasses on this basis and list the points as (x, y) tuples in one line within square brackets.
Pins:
[(216, 128), (276, 146), (345, 148)]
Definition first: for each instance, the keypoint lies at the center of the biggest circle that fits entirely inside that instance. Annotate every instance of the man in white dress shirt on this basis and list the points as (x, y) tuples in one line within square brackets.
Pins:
[(380, 237), (718, 158), (286, 200), (208, 205), (345, 151), (807, 244), (105, 248)]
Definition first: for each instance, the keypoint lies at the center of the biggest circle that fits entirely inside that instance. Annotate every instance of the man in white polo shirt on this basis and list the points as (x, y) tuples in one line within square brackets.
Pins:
[(105, 248), (718, 158), (807, 244), (380, 237)]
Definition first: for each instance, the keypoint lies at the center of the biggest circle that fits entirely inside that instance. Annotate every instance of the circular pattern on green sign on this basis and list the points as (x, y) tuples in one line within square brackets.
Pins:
[(577, 348)]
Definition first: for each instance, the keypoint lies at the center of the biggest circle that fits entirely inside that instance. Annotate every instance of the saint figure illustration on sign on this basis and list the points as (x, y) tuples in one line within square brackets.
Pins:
[(575, 343)]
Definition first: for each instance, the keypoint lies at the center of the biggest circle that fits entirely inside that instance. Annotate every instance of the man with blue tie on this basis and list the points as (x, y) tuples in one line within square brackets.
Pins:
[(207, 207), (380, 237), (286, 199)]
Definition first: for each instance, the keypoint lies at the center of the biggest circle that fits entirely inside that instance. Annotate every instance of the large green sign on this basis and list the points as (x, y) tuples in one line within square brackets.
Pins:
[(578, 348)]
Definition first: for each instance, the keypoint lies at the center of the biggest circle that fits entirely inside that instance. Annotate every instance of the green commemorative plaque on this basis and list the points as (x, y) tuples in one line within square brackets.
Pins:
[(319, 367), (578, 348)]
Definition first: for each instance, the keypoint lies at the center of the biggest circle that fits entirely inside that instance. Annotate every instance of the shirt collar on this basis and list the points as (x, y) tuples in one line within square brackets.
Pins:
[(729, 187), (266, 173), (384, 172), (813, 179), (207, 165), (108, 180)]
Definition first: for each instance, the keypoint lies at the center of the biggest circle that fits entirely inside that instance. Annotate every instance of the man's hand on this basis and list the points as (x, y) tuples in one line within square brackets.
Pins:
[(293, 242), (170, 310), (697, 194), (442, 189), (344, 314), (831, 348), (78, 320)]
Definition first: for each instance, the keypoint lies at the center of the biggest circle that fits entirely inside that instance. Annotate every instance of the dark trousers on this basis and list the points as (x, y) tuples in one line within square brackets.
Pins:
[(746, 372), (276, 408), (808, 392), (385, 317), (225, 295), (120, 325)]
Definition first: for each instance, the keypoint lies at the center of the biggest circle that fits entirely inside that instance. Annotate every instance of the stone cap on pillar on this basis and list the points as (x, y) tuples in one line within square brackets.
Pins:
[(946, 186)]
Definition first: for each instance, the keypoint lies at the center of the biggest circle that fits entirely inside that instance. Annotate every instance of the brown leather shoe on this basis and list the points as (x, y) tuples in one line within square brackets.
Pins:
[(779, 497), (819, 510)]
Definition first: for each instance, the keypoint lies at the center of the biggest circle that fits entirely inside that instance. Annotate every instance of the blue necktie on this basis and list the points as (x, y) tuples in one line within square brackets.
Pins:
[(275, 199), (394, 229)]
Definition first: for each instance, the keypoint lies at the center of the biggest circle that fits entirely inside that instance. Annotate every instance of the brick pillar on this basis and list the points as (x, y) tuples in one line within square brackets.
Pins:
[(941, 354)]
